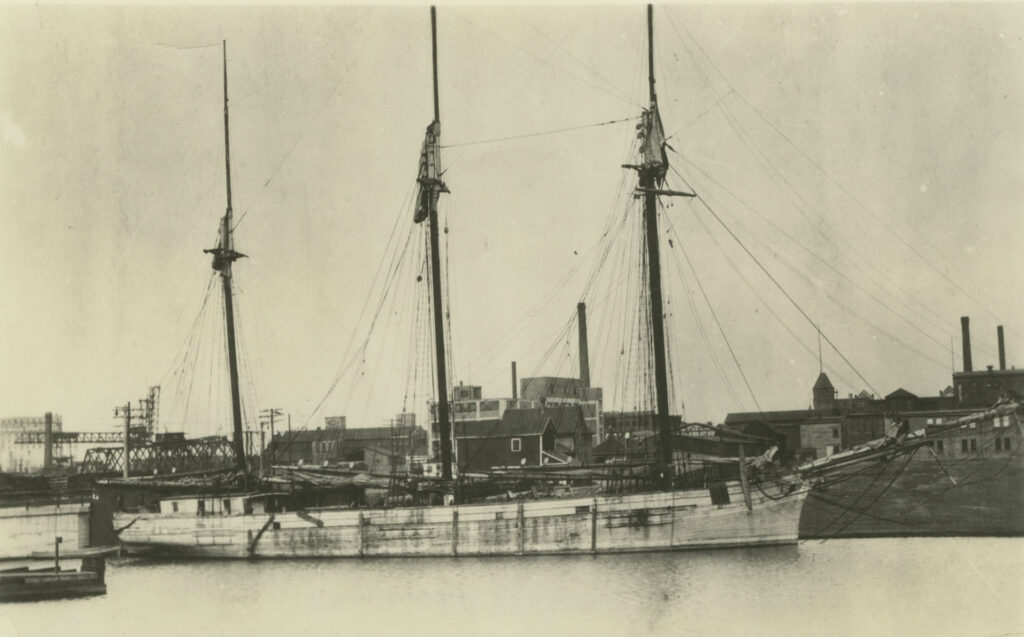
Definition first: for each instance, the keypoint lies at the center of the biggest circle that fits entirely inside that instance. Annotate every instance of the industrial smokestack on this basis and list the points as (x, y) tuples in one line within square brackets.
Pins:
[(1002, 347), (47, 441), (581, 313), (965, 326), (515, 383)]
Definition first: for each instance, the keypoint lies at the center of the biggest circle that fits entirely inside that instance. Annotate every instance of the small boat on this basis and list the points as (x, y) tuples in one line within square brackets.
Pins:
[(43, 577)]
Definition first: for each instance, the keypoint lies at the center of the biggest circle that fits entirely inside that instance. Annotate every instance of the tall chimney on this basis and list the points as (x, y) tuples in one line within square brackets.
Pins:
[(515, 383), (1002, 347), (581, 313), (47, 441), (965, 326)]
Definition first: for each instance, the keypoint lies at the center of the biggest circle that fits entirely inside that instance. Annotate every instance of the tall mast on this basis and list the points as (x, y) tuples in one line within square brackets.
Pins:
[(433, 48), (650, 53), (223, 256), (432, 185), (651, 173)]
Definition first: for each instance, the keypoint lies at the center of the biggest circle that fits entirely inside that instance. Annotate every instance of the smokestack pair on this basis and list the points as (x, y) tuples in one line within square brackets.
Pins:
[(966, 330), (581, 314)]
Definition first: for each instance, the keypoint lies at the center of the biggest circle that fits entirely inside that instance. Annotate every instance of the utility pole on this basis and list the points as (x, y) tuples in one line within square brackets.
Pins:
[(144, 412), (267, 417)]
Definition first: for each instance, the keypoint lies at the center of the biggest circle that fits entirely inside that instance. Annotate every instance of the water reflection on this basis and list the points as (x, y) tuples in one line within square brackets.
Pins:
[(849, 587)]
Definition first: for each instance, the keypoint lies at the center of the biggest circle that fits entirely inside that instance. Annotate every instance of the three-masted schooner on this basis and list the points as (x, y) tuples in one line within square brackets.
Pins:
[(667, 517)]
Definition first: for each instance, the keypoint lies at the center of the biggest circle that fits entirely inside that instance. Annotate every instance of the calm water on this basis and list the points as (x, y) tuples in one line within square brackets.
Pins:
[(840, 587)]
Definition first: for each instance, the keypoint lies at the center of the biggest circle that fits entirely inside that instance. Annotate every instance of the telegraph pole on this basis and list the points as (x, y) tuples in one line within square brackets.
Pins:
[(144, 412), (267, 417)]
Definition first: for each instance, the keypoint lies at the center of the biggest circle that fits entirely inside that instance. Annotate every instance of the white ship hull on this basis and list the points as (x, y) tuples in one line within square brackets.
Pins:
[(606, 524)]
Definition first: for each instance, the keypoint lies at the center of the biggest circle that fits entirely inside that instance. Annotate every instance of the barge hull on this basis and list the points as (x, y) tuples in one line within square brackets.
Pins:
[(975, 497)]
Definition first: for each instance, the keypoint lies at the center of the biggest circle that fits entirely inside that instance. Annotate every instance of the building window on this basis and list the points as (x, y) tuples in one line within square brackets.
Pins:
[(963, 445), (835, 432), (227, 506), (999, 444), (939, 445), (974, 444), (489, 405), (517, 444), (174, 507), (1006, 444)]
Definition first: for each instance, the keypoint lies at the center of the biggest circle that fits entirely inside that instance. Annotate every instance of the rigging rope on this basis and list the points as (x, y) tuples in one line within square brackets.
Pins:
[(548, 62), (538, 134), (800, 204), (784, 292), (910, 245), (899, 472), (569, 53), (825, 262), (185, 48), (714, 315), (302, 135), (389, 274), (613, 224), (706, 339)]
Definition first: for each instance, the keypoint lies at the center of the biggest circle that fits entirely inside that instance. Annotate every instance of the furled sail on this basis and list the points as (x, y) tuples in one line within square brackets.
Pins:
[(429, 176), (652, 143)]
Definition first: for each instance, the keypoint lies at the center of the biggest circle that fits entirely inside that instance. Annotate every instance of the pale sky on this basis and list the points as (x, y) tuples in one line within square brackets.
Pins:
[(867, 154)]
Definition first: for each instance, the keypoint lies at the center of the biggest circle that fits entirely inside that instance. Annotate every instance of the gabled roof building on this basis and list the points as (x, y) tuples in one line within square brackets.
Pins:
[(831, 424)]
